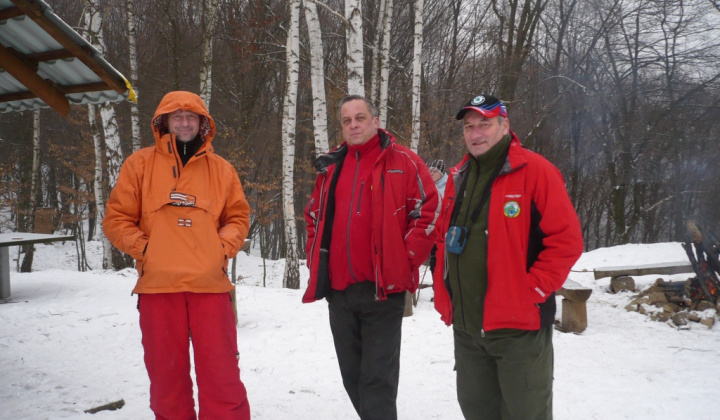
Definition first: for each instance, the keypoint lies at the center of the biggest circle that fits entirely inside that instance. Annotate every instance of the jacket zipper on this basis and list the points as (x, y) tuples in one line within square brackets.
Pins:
[(171, 145), (362, 188), (352, 197)]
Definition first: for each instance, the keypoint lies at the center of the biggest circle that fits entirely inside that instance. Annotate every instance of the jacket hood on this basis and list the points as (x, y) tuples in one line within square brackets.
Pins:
[(184, 101)]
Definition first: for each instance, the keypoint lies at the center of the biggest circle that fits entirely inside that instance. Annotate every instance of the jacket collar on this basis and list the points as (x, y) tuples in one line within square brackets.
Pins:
[(514, 161), (334, 156)]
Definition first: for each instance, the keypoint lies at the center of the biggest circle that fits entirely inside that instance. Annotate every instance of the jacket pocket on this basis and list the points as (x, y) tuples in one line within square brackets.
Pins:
[(184, 249)]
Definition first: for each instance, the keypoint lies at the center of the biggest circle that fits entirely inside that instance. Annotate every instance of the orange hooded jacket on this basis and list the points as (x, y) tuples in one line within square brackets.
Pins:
[(181, 224)]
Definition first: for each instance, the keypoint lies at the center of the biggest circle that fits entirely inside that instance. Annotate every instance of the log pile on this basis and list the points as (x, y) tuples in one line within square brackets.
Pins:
[(678, 303)]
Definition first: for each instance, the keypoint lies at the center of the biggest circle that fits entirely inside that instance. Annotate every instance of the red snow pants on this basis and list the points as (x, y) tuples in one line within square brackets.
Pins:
[(168, 321)]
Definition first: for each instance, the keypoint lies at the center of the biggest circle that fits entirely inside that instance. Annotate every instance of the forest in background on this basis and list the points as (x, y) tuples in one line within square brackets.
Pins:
[(622, 95)]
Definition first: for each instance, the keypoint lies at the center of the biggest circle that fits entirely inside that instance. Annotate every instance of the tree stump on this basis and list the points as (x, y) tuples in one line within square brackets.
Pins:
[(574, 309)]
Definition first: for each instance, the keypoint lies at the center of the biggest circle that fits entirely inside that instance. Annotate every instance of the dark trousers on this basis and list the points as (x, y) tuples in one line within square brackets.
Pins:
[(505, 378), (367, 342)]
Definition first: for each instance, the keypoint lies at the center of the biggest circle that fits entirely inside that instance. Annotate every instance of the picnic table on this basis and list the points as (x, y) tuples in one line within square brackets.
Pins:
[(20, 238)]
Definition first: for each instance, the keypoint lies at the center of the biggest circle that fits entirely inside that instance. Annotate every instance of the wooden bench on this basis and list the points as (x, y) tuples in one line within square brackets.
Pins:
[(575, 295), (574, 309), (643, 270), (621, 276), (20, 238)]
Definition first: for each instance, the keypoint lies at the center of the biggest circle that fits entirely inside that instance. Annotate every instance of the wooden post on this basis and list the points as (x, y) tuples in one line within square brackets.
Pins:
[(408, 304), (233, 294), (574, 309)]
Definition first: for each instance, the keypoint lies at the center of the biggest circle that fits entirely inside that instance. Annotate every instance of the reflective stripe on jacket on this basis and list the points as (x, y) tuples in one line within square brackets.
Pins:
[(534, 238), (405, 209), (181, 224)]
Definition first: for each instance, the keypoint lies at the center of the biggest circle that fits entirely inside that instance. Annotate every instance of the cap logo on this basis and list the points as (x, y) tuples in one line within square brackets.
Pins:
[(478, 100)]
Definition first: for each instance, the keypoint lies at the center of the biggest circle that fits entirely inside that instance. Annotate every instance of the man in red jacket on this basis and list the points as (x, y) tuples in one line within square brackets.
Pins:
[(370, 224), (508, 238)]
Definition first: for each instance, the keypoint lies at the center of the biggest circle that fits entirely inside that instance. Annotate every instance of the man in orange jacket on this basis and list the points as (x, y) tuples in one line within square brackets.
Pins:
[(180, 211)]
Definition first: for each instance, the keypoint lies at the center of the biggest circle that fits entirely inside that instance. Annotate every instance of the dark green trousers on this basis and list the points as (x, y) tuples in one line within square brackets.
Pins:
[(505, 378)]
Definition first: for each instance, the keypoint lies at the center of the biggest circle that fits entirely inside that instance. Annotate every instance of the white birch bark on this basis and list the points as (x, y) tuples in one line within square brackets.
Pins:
[(354, 46), (26, 265), (98, 176), (35, 175), (385, 67), (132, 45), (317, 78), (291, 278), (93, 21), (112, 142), (210, 19), (376, 52), (417, 76)]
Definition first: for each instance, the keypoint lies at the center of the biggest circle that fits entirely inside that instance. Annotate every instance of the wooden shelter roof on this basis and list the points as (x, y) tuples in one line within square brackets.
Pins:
[(45, 63)]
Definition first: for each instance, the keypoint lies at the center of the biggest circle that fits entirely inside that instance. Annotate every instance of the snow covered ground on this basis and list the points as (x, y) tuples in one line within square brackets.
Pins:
[(69, 341)]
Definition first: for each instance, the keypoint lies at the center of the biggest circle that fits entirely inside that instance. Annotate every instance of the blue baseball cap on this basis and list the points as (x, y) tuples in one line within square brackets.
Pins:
[(488, 106)]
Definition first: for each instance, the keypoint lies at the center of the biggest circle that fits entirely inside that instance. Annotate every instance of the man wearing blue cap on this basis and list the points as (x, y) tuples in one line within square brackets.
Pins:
[(509, 236)]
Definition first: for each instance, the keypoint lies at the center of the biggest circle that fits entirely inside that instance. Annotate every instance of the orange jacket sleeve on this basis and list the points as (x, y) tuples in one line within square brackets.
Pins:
[(123, 211), (235, 217)]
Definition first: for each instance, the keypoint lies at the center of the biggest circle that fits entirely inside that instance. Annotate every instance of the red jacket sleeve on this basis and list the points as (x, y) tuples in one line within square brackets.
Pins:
[(563, 243), (312, 211), (423, 208)]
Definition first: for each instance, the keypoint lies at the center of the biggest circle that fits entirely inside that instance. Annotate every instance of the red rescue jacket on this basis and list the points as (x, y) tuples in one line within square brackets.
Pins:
[(534, 238), (405, 209)]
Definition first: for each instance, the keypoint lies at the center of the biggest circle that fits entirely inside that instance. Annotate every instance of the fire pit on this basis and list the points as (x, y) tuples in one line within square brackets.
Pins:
[(696, 299)]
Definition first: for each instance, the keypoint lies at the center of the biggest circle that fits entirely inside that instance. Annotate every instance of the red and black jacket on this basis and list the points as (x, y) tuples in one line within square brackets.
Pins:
[(405, 209), (534, 238)]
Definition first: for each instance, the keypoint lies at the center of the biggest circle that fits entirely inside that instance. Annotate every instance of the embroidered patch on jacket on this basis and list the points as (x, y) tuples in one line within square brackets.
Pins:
[(185, 222), (183, 200), (395, 171), (511, 209)]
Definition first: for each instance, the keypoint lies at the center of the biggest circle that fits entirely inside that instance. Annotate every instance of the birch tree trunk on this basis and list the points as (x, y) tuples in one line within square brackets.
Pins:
[(132, 45), (291, 278), (93, 21), (317, 77), (354, 45), (35, 175), (26, 265), (209, 21), (98, 175), (385, 69), (417, 76), (376, 52)]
